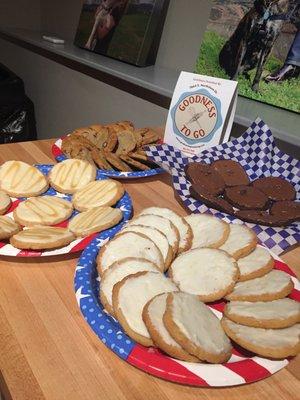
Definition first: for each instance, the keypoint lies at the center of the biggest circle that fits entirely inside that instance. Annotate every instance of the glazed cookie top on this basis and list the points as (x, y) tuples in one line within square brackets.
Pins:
[(206, 177), (277, 189), (232, 172), (246, 197)]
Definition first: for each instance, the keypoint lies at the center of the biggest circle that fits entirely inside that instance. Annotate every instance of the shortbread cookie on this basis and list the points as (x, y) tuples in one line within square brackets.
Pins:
[(94, 220), (195, 327), (129, 244), (240, 242), (5, 202), (153, 313), (42, 237), (274, 285), (208, 273), (43, 210), (131, 295), (163, 224), (270, 343), (71, 175), (258, 263), (157, 237), (126, 142), (8, 227), (98, 194), (184, 230), (118, 271), (208, 231), (19, 179), (264, 314)]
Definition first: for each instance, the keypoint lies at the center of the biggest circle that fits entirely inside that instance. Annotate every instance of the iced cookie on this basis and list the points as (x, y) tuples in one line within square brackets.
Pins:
[(19, 179), (153, 318), (232, 172), (270, 343), (71, 175), (8, 227), (43, 210), (246, 197), (129, 244), (131, 295), (195, 327), (208, 273), (272, 286), (205, 178), (208, 231), (98, 194), (277, 189), (264, 314), (240, 242), (258, 263)]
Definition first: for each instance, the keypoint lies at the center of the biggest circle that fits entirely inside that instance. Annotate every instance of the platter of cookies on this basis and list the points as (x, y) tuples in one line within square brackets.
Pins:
[(116, 149), (49, 210), (193, 299)]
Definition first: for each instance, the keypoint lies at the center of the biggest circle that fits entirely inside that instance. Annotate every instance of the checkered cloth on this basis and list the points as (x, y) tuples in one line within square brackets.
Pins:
[(256, 151)]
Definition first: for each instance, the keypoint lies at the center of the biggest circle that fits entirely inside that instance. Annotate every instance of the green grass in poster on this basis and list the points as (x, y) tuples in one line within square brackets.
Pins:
[(285, 94)]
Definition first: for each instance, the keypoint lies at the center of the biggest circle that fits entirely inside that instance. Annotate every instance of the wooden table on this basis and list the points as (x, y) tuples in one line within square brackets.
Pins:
[(48, 351)]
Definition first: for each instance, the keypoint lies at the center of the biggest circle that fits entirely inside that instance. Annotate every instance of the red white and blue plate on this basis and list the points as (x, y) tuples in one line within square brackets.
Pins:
[(125, 205), (59, 156), (243, 367)]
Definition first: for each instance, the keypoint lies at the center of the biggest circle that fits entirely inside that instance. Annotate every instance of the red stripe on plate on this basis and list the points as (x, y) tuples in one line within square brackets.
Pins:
[(2, 244), (283, 267), (84, 242), (13, 205), (295, 295), (217, 306), (156, 363), (28, 253), (249, 370), (56, 151), (62, 224)]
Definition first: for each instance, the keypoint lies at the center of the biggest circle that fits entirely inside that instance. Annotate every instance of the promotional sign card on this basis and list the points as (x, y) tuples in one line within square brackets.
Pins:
[(201, 112)]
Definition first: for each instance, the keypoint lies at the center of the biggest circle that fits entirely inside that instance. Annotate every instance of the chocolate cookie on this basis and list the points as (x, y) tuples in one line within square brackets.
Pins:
[(246, 197), (205, 177), (232, 172), (277, 189), (286, 209), (262, 218), (210, 200)]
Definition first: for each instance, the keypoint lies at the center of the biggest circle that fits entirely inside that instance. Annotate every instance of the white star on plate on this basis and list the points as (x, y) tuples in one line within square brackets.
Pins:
[(98, 278), (102, 242), (78, 268), (123, 208), (80, 295), (124, 173)]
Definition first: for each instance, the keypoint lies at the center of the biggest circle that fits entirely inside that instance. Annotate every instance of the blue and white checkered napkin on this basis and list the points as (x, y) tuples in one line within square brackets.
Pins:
[(256, 151)]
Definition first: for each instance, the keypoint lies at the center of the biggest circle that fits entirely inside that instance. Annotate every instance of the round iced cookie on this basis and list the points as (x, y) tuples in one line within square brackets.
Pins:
[(258, 263), (240, 242)]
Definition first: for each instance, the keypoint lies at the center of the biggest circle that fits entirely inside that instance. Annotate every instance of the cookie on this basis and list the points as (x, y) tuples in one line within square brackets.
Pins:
[(232, 172), (270, 343), (272, 286), (195, 327), (264, 314), (119, 126), (19, 179), (117, 272), (42, 237), (211, 200), (131, 295), (133, 163), (256, 264), (74, 139), (129, 244), (246, 197), (205, 177), (43, 210), (289, 210), (126, 142), (71, 175), (184, 230), (98, 194), (240, 242), (139, 155), (145, 136), (99, 158), (94, 220), (277, 189), (208, 231), (262, 218), (79, 151), (117, 163), (157, 237), (163, 224), (153, 313), (207, 273), (8, 227), (5, 202)]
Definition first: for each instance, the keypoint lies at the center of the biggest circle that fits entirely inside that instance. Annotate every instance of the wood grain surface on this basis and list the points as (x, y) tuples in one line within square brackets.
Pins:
[(48, 351)]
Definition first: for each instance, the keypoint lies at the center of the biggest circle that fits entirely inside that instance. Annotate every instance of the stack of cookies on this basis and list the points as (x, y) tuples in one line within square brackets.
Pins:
[(38, 215), (161, 269), (117, 146), (225, 186)]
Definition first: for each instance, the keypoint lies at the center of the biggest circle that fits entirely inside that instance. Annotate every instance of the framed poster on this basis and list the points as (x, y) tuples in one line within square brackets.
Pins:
[(256, 42), (128, 30)]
